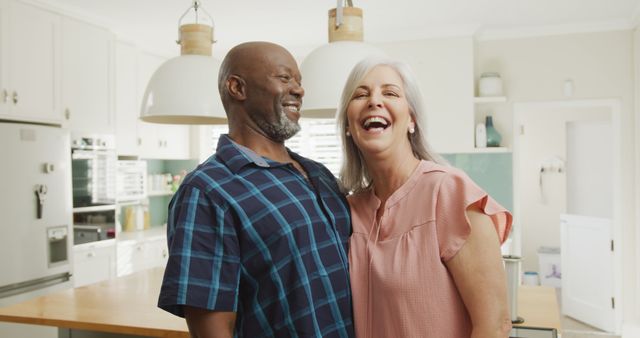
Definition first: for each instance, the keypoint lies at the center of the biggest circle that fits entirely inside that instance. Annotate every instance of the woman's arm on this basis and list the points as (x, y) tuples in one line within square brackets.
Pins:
[(209, 324), (479, 275)]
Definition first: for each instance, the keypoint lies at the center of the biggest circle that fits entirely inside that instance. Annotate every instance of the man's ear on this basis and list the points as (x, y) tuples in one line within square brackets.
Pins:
[(236, 87)]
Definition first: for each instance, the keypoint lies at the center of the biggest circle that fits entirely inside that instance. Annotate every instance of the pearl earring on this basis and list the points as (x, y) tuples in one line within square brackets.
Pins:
[(348, 133), (411, 130)]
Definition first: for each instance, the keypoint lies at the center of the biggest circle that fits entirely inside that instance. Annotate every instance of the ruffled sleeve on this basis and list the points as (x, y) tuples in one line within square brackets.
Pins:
[(456, 193)]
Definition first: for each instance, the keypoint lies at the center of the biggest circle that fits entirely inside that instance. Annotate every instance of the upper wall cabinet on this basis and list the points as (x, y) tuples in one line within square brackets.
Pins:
[(87, 54), (29, 63), (158, 141), (127, 105)]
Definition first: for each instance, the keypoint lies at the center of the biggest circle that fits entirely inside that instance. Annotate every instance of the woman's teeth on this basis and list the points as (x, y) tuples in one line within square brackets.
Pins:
[(375, 122)]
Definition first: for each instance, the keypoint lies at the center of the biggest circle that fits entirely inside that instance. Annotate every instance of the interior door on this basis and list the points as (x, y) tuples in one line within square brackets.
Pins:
[(587, 270)]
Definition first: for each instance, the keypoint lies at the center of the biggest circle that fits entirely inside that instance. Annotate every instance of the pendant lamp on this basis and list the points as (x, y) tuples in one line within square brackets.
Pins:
[(184, 89), (326, 68)]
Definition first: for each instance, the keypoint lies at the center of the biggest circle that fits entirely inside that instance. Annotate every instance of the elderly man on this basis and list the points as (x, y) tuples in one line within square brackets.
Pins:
[(258, 234)]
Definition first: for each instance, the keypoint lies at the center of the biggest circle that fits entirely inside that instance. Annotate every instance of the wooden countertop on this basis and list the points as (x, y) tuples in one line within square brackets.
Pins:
[(538, 306), (127, 305)]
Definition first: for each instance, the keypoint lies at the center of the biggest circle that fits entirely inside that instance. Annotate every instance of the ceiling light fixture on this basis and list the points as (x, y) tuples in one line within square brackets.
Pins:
[(325, 69), (184, 89)]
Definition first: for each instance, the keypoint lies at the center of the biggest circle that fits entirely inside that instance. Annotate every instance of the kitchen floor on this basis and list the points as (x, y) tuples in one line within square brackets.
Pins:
[(572, 328)]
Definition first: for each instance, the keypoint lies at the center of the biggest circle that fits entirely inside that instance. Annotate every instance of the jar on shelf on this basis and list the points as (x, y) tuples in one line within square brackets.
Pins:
[(490, 84)]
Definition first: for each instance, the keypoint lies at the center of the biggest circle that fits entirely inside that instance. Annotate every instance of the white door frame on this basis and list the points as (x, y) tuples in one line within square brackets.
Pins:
[(614, 106)]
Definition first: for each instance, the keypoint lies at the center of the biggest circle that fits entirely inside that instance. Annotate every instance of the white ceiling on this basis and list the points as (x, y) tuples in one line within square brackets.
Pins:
[(300, 24)]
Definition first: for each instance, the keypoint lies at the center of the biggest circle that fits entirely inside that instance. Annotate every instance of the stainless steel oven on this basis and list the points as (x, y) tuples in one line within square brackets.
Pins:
[(93, 170), (93, 173)]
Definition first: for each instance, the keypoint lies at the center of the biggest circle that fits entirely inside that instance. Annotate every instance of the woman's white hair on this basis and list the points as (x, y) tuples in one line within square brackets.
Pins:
[(354, 175)]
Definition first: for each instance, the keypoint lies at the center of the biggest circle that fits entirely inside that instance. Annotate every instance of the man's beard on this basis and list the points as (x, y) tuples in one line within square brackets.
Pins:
[(279, 131)]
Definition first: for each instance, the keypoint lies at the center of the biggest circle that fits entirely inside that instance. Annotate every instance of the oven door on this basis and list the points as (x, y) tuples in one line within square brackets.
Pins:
[(94, 177)]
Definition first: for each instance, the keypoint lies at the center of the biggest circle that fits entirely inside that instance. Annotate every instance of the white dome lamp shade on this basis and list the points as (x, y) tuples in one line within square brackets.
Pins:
[(184, 90), (326, 68)]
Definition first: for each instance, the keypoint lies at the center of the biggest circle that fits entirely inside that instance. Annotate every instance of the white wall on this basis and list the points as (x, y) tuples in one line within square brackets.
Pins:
[(636, 48), (444, 71), (600, 66)]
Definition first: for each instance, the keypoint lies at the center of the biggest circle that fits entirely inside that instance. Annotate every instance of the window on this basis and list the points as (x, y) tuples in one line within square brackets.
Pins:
[(316, 140)]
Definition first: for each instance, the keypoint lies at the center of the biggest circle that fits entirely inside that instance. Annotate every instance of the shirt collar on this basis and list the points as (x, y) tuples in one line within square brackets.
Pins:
[(236, 156)]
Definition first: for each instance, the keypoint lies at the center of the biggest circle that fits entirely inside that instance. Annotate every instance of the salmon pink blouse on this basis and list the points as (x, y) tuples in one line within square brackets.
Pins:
[(401, 286)]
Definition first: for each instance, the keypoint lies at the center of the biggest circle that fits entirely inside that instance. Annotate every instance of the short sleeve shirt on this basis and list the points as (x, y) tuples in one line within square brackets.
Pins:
[(253, 236), (401, 285)]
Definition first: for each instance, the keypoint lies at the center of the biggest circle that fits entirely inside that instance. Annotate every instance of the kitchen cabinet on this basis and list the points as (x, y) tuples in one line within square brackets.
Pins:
[(141, 254), (158, 141), (94, 262), (127, 104), (134, 69), (87, 73), (29, 63)]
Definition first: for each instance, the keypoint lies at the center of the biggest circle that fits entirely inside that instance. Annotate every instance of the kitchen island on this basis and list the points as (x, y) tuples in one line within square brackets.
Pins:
[(126, 306)]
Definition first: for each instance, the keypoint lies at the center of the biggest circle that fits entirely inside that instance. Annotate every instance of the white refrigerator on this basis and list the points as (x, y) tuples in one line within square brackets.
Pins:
[(35, 213)]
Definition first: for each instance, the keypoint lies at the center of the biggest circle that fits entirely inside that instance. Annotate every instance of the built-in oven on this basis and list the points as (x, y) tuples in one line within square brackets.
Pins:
[(93, 172)]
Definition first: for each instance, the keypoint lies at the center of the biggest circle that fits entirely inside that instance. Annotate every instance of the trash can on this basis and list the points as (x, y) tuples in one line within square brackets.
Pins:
[(550, 273)]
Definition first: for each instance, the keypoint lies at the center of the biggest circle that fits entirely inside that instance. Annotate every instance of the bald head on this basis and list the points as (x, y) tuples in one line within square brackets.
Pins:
[(245, 59)]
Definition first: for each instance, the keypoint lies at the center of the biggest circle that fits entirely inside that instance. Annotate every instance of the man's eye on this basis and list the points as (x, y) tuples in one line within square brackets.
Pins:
[(286, 78)]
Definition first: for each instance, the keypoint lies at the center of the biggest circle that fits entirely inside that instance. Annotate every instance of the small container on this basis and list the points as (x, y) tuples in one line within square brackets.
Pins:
[(490, 84), (530, 278)]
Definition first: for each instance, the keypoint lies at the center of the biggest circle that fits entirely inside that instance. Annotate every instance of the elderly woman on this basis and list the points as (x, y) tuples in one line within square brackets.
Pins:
[(425, 250)]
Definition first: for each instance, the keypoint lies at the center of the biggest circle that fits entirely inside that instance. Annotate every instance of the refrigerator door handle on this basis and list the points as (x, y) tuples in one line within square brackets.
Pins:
[(34, 284)]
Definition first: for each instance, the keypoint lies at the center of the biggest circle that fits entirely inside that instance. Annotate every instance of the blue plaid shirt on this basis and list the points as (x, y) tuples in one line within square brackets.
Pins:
[(251, 235)]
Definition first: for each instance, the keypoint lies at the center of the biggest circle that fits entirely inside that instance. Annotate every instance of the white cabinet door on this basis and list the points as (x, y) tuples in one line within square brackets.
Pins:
[(4, 34), (32, 64), (127, 103), (159, 141), (93, 263), (174, 140), (150, 144), (142, 254), (157, 252), (131, 257), (86, 75)]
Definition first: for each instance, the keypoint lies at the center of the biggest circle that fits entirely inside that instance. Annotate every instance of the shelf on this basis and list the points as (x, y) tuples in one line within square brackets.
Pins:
[(105, 207), (160, 193), (489, 99), (490, 150)]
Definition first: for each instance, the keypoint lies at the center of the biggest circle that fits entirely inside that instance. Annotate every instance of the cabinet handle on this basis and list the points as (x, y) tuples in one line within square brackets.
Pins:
[(15, 97), (67, 113), (160, 143), (5, 95), (139, 141), (91, 254)]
